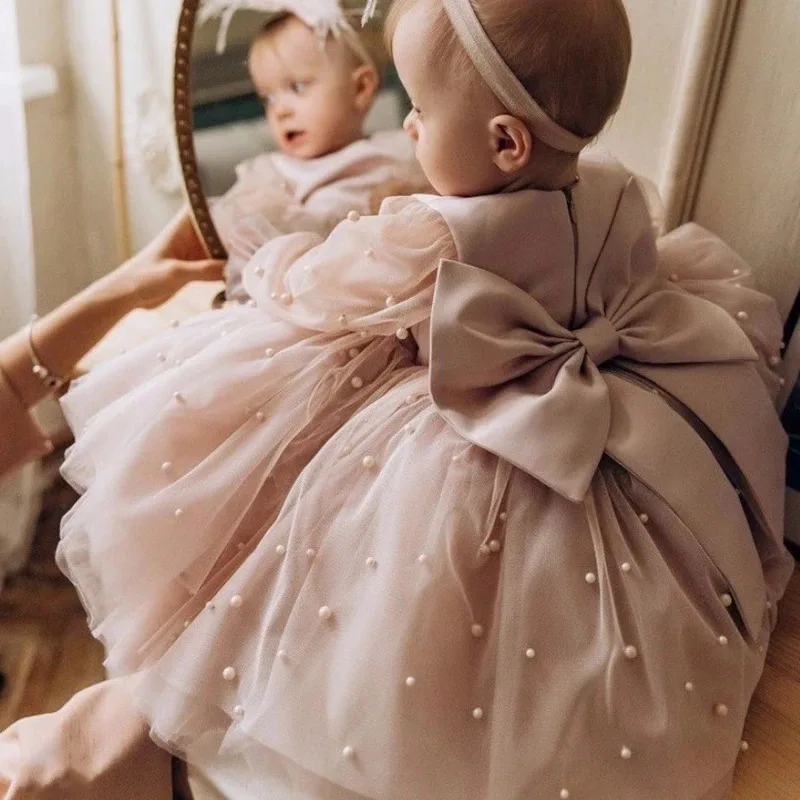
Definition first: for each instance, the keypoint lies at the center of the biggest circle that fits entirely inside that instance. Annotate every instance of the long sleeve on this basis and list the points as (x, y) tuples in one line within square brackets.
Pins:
[(373, 273), (703, 265)]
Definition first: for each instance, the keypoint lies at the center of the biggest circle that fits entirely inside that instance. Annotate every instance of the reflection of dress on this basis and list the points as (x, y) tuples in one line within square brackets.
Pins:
[(507, 574), (277, 194)]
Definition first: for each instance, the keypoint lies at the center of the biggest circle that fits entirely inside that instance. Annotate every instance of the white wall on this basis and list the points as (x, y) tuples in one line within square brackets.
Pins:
[(750, 189), (60, 242), (146, 33)]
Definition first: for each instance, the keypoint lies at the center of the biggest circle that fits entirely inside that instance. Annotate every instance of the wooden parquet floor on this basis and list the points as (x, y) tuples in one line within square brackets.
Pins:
[(47, 655)]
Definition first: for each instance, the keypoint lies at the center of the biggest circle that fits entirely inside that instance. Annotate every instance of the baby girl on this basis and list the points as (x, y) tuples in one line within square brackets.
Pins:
[(488, 503), (318, 81)]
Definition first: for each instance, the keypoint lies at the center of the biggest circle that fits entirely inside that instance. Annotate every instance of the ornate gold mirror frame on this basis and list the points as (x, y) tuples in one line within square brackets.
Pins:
[(184, 131)]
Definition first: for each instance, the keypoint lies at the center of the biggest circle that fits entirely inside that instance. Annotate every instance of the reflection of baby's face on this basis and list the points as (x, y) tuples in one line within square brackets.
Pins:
[(310, 94)]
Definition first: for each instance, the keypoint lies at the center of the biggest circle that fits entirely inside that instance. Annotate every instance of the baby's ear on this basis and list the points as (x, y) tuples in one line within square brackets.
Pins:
[(511, 143), (366, 82)]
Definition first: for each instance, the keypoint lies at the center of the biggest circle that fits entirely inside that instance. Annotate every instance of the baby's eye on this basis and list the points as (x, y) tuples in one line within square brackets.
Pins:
[(298, 87)]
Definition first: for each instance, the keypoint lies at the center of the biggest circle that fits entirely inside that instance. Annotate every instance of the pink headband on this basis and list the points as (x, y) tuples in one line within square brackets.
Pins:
[(502, 81)]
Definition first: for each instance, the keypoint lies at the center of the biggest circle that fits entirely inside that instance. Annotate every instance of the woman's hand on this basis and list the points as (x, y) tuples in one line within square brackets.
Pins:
[(173, 259)]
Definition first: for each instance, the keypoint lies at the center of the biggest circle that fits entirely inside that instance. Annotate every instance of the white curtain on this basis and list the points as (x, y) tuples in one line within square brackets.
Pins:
[(18, 496)]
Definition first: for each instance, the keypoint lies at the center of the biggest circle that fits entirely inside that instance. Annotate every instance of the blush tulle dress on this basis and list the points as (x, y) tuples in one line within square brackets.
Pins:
[(482, 499)]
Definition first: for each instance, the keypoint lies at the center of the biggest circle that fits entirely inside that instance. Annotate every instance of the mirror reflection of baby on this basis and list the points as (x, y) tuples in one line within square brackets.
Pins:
[(316, 94)]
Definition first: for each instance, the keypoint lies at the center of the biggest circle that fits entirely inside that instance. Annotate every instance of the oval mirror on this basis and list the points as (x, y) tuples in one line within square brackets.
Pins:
[(220, 120)]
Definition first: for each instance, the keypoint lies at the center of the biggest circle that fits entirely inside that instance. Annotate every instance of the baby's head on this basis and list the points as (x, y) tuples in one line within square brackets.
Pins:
[(572, 57), (316, 94)]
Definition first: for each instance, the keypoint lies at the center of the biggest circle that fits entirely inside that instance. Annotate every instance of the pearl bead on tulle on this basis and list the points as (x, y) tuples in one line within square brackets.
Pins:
[(423, 559), (626, 567), (236, 601), (721, 710), (166, 466), (727, 600), (495, 546), (325, 613), (261, 416), (178, 513), (626, 753), (179, 397), (590, 578), (477, 630), (564, 795), (530, 654), (369, 462), (402, 334), (353, 353), (477, 713), (631, 653), (311, 553), (348, 752), (229, 674), (371, 562), (269, 353), (390, 301), (744, 746), (411, 682), (353, 216), (723, 640), (743, 316), (280, 550), (357, 383), (644, 518), (238, 712), (689, 686)]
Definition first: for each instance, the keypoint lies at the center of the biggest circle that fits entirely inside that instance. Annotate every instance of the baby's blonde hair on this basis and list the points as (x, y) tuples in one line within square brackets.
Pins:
[(359, 47), (572, 56)]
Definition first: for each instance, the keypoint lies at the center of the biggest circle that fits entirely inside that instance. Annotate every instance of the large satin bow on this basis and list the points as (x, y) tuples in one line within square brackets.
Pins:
[(512, 380)]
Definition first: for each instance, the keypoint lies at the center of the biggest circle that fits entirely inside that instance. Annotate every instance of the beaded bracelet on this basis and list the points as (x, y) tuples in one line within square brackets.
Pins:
[(51, 381)]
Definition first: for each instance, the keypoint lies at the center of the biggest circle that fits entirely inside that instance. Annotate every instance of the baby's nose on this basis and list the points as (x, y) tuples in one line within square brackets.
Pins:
[(410, 127), (282, 109)]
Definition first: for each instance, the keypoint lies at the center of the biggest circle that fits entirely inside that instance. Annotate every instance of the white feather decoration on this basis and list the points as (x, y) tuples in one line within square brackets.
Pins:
[(326, 17)]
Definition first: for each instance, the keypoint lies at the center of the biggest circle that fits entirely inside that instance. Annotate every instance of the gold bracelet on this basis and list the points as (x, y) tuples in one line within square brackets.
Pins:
[(51, 381)]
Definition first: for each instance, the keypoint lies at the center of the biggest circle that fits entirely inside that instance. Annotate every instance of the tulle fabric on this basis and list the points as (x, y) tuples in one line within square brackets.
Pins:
[(187, 446), (702, 264), (409, 556), (354, 602)]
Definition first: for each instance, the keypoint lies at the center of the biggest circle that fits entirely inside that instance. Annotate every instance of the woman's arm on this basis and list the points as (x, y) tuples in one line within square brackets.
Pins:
[(63, 337)]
